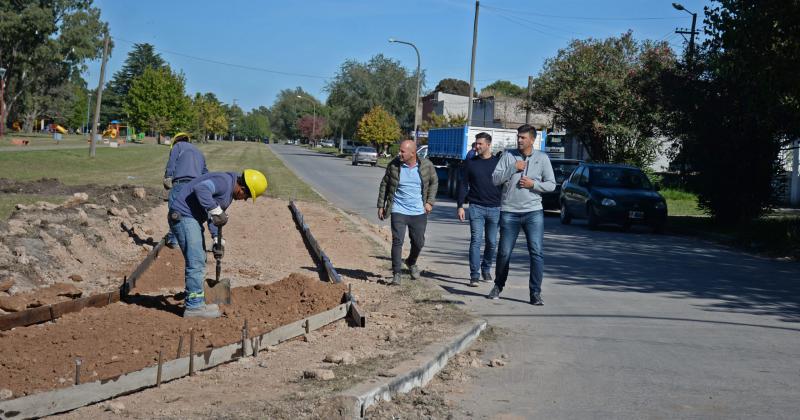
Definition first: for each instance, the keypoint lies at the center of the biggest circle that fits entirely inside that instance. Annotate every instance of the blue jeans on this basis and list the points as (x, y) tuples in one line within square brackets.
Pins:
[(173, 193), (480, 217), (189, 234), (532, 223)]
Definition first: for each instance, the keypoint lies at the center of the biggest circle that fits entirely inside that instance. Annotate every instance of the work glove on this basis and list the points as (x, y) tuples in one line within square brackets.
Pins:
[(167, 183), (218, 217)]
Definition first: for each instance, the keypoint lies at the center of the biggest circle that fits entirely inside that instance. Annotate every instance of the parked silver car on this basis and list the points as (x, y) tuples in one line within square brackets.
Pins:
[(365, 155)]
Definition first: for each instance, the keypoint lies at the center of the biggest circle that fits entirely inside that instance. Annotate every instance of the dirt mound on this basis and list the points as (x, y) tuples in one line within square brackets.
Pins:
[(124, 337), (81, 241)]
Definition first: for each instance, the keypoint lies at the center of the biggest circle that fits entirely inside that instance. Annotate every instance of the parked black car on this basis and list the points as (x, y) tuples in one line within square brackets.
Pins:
[(562, 168), (620, 194)]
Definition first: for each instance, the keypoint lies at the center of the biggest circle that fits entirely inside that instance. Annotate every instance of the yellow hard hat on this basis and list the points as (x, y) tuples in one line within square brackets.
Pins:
[(178, 137), (256, 182)]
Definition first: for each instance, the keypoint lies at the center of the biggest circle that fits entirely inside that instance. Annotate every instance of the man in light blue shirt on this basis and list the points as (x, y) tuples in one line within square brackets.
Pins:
[(407, 192)]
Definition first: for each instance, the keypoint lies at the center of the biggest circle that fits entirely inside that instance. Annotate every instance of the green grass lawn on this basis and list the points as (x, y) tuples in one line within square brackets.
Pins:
[(775, 235), (681, 203), (144, 165)]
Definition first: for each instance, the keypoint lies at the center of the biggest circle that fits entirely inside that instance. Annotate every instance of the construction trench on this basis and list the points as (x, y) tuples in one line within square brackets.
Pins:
[(65, 355)]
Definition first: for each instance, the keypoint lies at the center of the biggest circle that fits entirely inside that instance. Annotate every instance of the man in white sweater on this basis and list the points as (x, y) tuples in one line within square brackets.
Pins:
[(524, 174)]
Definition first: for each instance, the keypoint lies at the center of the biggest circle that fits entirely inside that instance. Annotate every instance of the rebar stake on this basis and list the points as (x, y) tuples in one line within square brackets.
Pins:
[(180, 347), (244, 338), (160, 363), (78, 371), (191, 352)]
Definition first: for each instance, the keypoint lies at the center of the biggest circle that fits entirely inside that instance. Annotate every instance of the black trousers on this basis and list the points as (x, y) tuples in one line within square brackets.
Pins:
[(416, 232)]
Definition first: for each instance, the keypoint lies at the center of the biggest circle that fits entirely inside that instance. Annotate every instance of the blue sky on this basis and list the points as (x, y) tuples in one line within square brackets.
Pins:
[(285, 44)]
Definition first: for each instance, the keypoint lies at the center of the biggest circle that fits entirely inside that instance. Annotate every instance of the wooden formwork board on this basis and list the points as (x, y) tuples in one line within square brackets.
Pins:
[(66, 399), (56, 310), (316, 249)]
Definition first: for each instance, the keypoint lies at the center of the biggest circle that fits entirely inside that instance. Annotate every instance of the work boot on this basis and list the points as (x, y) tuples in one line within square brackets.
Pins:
[(414, 271), (396, 280), (494, 294), (204, 311), (536, 300), (487, 277), (473, 282)]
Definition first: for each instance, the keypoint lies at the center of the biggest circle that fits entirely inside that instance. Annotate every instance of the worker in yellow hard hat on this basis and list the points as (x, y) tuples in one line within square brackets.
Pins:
[(202, 199)]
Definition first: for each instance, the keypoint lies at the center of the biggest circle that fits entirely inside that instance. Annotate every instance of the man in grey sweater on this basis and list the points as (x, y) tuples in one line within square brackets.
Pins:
[(524, 174)]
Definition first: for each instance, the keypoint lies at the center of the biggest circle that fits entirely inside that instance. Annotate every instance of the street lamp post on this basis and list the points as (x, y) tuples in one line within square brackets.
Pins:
[(691, 33), (416, 96), (2, 101), (314, 121)]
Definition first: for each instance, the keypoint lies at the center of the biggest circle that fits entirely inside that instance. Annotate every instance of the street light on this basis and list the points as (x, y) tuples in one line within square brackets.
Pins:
[(680, 7), (314, 121), (2, 101), (416, 96)]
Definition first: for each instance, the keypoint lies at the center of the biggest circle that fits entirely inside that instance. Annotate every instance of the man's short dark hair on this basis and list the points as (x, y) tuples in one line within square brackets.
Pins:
[(484, 135), (527, 128)]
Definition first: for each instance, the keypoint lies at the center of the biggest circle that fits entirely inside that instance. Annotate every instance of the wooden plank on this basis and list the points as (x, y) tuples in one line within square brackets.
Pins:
[(130, 281), (65, 399), (358, 317), (56, 310)]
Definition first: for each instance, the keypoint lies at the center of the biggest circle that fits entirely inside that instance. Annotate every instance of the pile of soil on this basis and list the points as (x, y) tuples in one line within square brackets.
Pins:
[(125, 337), (81, 241)]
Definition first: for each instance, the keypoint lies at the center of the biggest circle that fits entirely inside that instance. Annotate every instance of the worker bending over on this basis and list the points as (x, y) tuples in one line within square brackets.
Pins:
[(206, 197)]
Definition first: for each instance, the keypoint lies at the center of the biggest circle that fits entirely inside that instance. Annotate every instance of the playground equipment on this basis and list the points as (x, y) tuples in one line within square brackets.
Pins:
[(116, 129)]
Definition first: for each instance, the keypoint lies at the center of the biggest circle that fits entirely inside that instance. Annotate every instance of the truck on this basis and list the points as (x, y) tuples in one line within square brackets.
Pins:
[(448, 147)]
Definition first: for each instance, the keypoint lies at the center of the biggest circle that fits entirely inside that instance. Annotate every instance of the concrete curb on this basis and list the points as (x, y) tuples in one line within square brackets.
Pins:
[(414, 373)]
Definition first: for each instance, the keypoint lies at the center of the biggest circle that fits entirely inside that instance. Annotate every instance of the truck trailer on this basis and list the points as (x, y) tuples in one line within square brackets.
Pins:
[(448, 147)]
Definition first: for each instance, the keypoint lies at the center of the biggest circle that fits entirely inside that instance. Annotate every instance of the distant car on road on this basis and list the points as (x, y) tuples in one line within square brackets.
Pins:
[(365, 154), (327, 143), (562, 169), (605, 193)]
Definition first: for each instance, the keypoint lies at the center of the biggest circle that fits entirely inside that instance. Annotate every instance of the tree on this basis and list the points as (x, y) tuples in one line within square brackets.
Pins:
[(453, 87), (441, 121), (378, 127), (255, 126), (359, 87), (141, 57), (737, 105), (288, 109), (595, 89), (504, 88), (42, 44), (156, 100), (235, 115), (209, 115), (310, 128)]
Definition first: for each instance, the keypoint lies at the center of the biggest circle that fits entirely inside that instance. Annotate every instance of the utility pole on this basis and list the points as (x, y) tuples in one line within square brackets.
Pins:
[(530, 95), (96, 123), (472, 63), (691, 33), (233, 125)]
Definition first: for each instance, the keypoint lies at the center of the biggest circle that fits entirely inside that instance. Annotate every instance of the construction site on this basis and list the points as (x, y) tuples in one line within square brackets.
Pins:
[(91, 303)]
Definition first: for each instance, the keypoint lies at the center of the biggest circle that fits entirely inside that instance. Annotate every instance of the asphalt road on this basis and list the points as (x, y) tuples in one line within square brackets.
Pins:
[(634, 326)]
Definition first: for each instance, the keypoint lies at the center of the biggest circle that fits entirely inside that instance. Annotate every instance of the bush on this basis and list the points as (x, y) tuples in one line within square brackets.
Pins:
[(394, 149)]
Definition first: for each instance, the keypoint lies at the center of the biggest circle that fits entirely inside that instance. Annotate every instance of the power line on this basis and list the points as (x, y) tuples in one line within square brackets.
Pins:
[(581, 17), (241, 66), (537, 24)]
